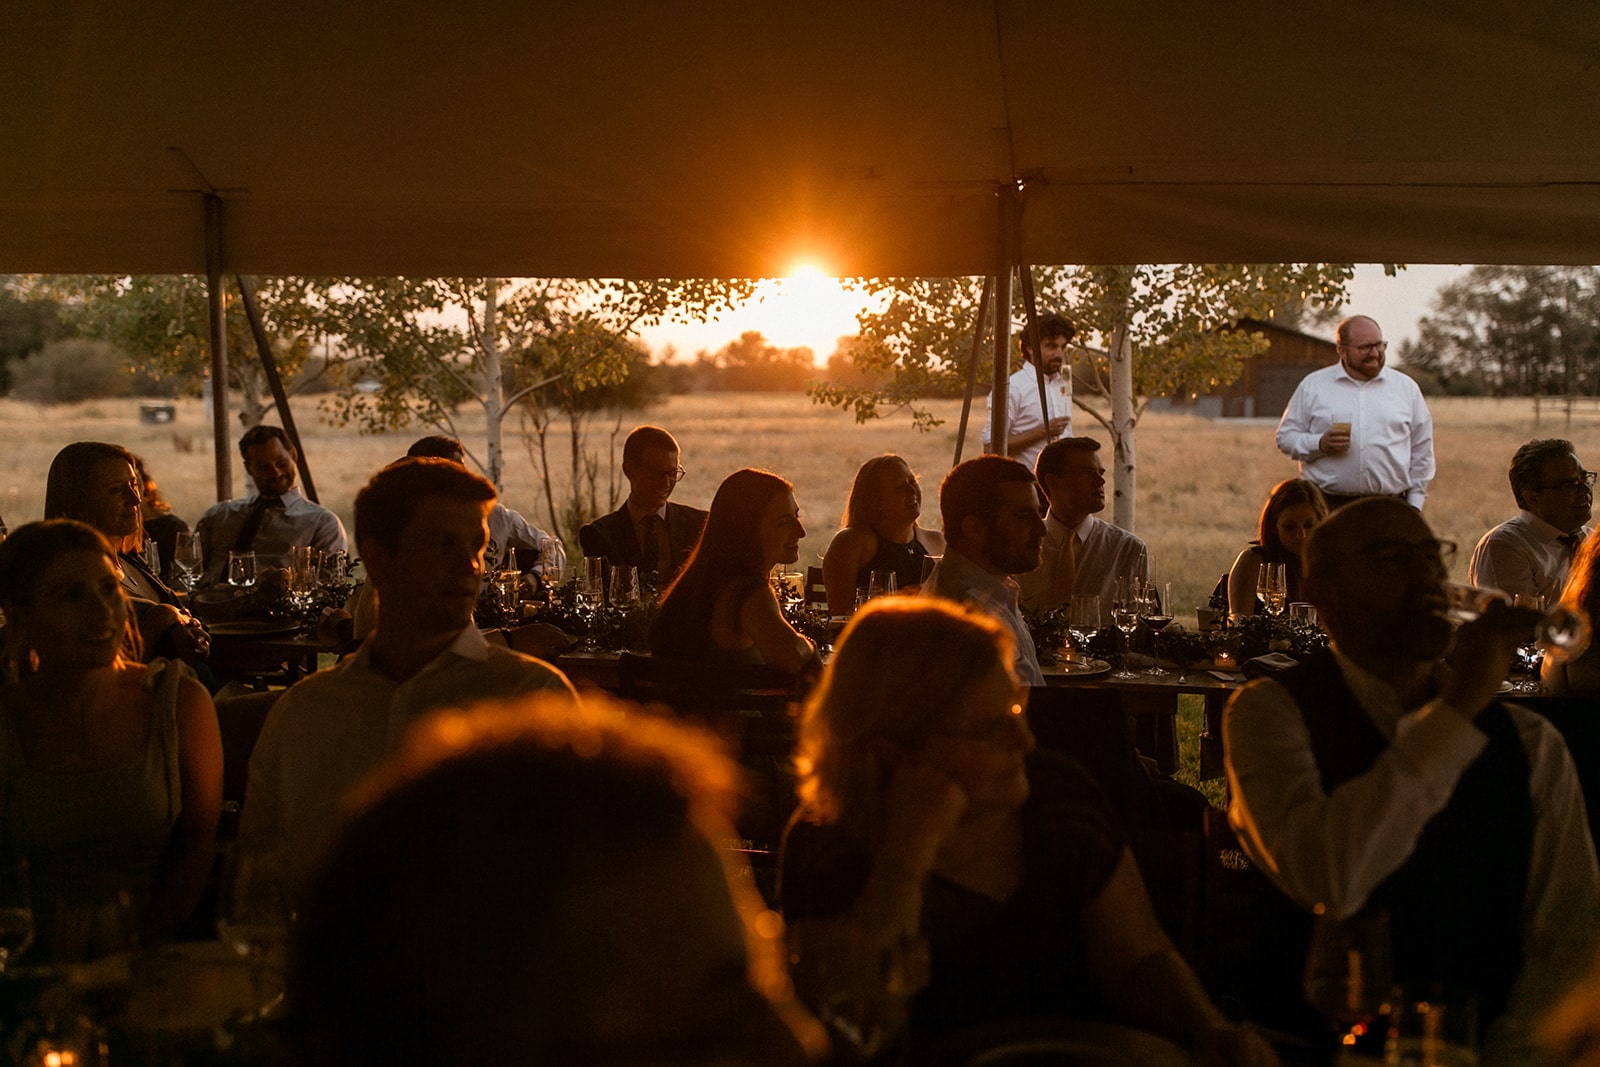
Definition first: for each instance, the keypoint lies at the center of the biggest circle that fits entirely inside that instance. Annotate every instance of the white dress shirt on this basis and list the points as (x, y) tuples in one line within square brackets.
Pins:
[(1104, 554), (1391, 433), (1022, 407), (1335, 849), (298, 522), (1524, 554), (329, 731), (955, 577)]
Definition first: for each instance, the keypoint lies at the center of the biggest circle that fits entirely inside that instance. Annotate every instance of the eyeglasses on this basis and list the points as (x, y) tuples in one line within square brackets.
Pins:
[(1584, 480), (1375, 348), (672, 476), (1394, 555)]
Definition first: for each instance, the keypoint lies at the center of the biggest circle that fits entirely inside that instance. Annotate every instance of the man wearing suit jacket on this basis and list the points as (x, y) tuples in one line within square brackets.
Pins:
[(647, 531)]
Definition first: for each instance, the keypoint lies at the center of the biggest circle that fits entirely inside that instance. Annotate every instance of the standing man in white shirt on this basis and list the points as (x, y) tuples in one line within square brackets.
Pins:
[(1360, 427), (1380, 777), (1530, 552), (1027, 432)]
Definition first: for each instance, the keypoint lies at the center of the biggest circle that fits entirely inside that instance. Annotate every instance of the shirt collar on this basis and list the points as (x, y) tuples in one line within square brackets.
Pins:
[(638, 514), (1376, 697), (1544, 530), (469, 644), (291, 497)]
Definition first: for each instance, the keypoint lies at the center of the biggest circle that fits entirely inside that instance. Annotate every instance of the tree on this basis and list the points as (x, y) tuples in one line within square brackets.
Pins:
[(1147, 330), (1513, 331), (161, 323), (27, 324), (751, 364)]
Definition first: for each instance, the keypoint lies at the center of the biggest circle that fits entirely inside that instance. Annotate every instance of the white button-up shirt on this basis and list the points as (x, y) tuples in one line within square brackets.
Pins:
[(1391, 433), (1524, 554), (1022, 407)]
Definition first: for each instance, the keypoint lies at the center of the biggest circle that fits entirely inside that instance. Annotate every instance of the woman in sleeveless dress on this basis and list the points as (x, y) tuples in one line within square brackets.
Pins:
[(879, 531), (110, 770), (721, 606), (1293, 508)]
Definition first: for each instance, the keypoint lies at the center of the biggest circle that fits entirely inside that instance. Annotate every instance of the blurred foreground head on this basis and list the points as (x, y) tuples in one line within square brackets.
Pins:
[(537, 883)]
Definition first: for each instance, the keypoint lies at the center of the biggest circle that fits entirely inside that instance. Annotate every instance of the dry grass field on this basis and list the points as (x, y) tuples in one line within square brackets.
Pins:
[(1201, 483)]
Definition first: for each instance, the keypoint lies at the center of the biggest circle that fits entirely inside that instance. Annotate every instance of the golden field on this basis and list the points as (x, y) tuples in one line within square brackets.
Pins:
[(1201, 483)]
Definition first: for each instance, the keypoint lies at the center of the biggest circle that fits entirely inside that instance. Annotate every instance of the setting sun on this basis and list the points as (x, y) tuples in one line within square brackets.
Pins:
[(807, 309)]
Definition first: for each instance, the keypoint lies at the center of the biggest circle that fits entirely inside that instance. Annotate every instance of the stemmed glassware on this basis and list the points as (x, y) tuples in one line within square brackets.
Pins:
[(1157, 617), (16, 911), (624, 587), (187, 559), (253, 918), (1348, 974), (1272, 586), (305, 576), (1125, 614), (1563, 632), (1083, 621), (881, 583)]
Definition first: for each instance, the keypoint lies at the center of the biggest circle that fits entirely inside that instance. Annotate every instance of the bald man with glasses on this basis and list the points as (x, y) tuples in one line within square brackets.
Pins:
[(1360, 427), (1385, 775)]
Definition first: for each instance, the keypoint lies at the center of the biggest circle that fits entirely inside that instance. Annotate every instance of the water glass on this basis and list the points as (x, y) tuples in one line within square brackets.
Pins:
[(1302, 613), (881, 583), (241, 569), (1083, 619), (1433, 1031), (305, 575)]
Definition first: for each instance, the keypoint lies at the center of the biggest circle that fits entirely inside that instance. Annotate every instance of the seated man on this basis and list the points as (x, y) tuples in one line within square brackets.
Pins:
[(1530, 552), (421, 529), (508, 531), (1081, 553), (528, 884), (1377, 777), (989, 507), (274, 520), (648, 531)]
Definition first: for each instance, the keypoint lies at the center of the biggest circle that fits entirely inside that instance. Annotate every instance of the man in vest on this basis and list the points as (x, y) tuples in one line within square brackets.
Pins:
[(1384, 777)]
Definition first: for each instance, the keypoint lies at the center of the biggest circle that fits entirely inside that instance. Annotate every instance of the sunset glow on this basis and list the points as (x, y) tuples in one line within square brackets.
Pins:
[(807, 309)]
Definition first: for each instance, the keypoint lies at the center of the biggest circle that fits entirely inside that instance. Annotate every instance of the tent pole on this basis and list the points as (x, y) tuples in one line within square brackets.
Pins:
[(972, 365), (1006, 255), (1031, 310), (221, 446), (269, 366)]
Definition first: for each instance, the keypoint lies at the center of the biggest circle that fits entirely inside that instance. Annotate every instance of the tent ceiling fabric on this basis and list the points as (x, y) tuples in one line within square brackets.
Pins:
[(720, 138)]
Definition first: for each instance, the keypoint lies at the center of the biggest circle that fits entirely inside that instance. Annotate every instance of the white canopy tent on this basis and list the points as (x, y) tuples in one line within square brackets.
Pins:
[(719, 138)]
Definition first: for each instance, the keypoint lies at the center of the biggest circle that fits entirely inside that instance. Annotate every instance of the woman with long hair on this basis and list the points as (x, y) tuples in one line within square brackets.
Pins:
[(98, 484), (721, 606), (1292, 509), (934, 842), (878, 531), (110, 770), (1579, 676)]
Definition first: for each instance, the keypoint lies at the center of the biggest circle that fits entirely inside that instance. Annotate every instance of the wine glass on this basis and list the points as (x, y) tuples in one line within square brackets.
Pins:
[(241, 569), (253, 918), (16, 911), (188, 559), (1563, 632), (881, 583), (1158, 618), (1272, 587), (1083, 620), (1125, 614), (1348, 971), (304, 576), (507, 595)]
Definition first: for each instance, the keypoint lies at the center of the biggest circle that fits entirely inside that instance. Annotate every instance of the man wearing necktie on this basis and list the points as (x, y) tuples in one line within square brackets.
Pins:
[(1530, 552), (273, 521), (1082, 553), (648, 531)]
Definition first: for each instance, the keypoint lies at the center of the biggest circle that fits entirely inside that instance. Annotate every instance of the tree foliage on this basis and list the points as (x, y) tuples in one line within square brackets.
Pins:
[(751, 364), (1513, 331)]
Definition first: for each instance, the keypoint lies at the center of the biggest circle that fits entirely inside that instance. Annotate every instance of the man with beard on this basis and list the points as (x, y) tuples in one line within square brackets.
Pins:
[(421, 529), (1379, 777), (1360, 427), (1531, 552), (1081, 553), (990, 510), (1044, 348)]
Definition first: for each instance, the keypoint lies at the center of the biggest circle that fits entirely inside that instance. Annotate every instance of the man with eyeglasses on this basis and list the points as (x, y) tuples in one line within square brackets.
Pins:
[(1530, 552), (1360, 427), (1384, 776), (648, 531)]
